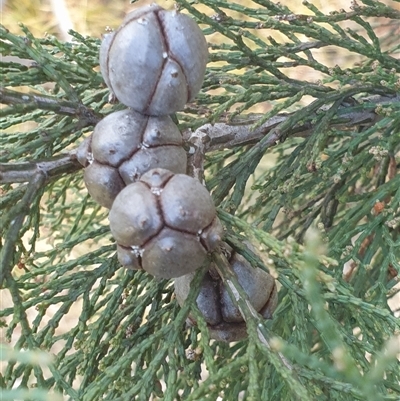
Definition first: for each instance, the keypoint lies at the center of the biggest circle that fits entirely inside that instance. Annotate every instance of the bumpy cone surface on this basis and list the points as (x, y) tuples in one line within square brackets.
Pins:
[(223, 317), (155, 62), (165, 224), (125, 145)]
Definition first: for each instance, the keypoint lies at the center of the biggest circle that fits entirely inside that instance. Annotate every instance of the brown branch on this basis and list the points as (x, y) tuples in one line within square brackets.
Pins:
[(210, 137), (197, 149), (37, 101), (27, 171), (240, 131)]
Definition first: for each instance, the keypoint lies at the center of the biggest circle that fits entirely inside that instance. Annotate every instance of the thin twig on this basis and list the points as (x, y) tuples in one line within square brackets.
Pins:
[(253, 319), (18, 213), (242, 132), (37, 174), (207, 138), (240, 298), (27, 171), (49, 103), (197, 149)]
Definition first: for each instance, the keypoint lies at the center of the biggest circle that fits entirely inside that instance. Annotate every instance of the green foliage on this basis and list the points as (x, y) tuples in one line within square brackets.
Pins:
[(26, 358), (317, 190)]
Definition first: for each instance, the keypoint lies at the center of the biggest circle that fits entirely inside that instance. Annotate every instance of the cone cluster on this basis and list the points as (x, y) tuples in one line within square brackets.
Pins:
[(163, 220)]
